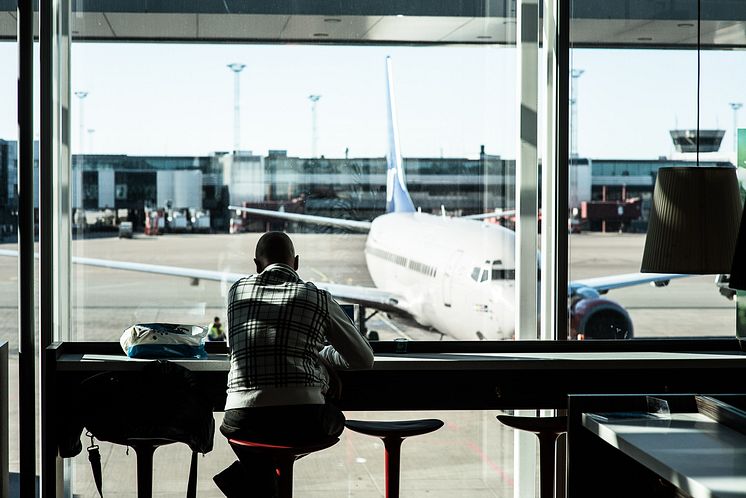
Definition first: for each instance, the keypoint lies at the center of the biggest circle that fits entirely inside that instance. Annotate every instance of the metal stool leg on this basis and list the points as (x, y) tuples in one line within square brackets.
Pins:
[(546, 463), (285, 477), (144, 454), (393, 461)]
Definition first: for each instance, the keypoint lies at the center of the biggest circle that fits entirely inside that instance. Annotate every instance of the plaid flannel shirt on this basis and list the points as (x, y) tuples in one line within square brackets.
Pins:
[(277, 326)]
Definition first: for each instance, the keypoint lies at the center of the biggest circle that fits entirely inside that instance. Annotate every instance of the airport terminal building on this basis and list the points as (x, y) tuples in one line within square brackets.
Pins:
[(606, 194)]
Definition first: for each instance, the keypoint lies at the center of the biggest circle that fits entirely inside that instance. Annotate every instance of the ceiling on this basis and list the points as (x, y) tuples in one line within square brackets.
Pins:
[(595, 23)]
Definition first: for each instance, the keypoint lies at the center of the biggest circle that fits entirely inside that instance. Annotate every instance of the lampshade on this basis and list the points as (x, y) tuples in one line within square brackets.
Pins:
[(694, 221), (738, 270)]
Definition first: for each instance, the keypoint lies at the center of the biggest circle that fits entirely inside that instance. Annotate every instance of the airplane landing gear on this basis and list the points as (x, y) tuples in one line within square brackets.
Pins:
[(362, 319)]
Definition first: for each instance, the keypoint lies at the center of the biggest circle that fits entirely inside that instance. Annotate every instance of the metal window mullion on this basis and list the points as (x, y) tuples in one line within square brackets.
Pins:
[(526, 170), (527, 48), (54, 231), (27, 322), (550, 216), (562, 83)]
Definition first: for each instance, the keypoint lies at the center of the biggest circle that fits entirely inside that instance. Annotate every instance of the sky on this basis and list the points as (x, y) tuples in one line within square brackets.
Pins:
[(177, 99)]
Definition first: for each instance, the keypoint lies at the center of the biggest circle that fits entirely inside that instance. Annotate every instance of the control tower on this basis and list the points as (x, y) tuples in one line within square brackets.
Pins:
[(686, 140)]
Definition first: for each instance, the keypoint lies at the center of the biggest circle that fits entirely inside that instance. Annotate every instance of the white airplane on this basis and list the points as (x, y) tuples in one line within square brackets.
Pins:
[(455, 275)]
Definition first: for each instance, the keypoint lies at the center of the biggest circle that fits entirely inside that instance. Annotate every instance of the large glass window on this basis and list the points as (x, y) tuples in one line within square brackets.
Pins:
[(8, 193), (153, 132), (170, 135), (633, 110)]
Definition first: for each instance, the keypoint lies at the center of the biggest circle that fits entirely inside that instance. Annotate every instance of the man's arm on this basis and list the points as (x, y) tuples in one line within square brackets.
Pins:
[(348, 348)]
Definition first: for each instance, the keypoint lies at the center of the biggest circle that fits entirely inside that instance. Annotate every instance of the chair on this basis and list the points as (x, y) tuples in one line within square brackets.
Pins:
[(393, 433), (548, 430), (282, 456)]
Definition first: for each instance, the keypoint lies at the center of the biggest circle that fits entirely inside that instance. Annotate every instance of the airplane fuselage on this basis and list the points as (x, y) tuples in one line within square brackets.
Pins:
[(456, 275)]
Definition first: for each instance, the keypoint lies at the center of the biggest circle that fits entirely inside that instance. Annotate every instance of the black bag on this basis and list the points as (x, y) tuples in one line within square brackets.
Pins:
[(162, 401)]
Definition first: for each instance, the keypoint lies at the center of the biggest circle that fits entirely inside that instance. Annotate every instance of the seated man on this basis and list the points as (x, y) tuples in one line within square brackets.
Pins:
[(277, 329)]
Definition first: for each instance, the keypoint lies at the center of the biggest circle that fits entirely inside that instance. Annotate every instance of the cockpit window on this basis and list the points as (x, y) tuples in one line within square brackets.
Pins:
[(503, 274), (475, 274), (492, 273)]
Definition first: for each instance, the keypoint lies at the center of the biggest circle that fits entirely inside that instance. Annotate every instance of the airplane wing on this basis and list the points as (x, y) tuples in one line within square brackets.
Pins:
[(495, 214), (173, 271), (604, 284), (358, 226), (364, 296)]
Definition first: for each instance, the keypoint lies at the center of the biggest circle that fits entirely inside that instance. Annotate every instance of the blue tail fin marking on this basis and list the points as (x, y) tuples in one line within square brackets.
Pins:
[(397, 195)]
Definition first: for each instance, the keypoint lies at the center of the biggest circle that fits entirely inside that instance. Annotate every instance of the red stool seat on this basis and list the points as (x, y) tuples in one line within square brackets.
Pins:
[(283, 457), (547, 429), (393, 433)]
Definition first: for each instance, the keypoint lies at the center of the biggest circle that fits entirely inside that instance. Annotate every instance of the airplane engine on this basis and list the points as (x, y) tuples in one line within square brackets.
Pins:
[(599, 318)]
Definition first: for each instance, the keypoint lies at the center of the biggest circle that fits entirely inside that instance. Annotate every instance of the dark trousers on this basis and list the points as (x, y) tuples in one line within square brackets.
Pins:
[(281, 425)]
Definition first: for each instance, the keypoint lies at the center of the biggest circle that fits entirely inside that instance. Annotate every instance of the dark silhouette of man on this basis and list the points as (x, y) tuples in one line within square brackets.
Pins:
[(278, 330)]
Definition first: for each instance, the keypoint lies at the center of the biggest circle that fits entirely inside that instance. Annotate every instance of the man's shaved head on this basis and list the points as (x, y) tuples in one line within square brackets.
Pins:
[(275, 247)]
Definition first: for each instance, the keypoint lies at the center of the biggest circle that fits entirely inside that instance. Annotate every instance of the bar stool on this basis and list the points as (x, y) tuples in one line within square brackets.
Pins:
[(144, 450), (548, 430), (393, 433), (282, 456)]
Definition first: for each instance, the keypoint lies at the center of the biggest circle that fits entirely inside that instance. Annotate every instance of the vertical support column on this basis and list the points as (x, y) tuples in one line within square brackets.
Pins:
[(54, 217), (562, 148), (4, 413), (526, 170), (527, 49), (27, 322), (550, 222)]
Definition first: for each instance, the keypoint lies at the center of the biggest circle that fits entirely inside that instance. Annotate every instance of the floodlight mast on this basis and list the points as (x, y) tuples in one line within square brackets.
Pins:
[(81, 96), (575, 74), (735, 106), (236, 68), (314, 136)]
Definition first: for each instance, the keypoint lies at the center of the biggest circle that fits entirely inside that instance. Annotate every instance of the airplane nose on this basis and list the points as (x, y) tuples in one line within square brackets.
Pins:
[(502, 307), (504, 297)]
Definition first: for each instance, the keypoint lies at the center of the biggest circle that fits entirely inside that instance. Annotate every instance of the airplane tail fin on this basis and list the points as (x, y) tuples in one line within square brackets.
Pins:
[(397, 195)]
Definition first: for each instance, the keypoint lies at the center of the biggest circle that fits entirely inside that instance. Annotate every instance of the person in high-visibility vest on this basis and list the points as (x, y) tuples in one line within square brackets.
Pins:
[(215, 331)]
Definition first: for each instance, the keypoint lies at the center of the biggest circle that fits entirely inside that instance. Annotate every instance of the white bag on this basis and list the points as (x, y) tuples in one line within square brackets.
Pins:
[(164, 340)]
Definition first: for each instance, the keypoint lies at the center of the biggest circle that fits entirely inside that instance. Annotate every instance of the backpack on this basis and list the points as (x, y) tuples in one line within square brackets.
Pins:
[(161, 401)]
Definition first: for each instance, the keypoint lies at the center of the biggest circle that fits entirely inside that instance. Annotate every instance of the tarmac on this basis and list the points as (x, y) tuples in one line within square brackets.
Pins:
[(471, 456)]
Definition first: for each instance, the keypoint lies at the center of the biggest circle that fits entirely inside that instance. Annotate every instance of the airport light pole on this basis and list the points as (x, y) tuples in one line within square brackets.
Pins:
[(91, 131), (236, 68), (575, 74), (735, 106), (81, 128), (314, 136)]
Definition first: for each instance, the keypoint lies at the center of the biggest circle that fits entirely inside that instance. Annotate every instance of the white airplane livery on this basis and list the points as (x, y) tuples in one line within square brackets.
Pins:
[(455, 275)]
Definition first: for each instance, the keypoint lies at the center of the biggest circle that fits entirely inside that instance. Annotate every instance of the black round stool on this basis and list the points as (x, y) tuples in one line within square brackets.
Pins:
[(548, 430), (392, 434), (283, 458)]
